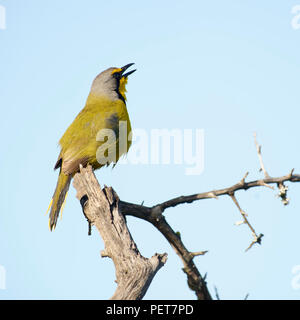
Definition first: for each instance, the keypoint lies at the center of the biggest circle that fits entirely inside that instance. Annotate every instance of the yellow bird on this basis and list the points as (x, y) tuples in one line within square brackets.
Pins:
[(104, 111)]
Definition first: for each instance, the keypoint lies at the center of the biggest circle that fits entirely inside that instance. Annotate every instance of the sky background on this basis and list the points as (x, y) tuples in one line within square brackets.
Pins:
[(228, 67)]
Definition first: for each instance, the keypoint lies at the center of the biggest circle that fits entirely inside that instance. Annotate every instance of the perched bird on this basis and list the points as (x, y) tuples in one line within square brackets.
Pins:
[(105, 108)]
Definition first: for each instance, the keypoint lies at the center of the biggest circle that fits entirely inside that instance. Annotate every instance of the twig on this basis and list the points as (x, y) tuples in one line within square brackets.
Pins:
[(257, 239), (241, 185), (258, 149), (242, 182), (217, 293), (243, 213), (199, 253), (281, 187)]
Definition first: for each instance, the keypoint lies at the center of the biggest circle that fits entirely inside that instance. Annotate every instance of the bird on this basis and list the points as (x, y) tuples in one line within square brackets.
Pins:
[(105, 109)]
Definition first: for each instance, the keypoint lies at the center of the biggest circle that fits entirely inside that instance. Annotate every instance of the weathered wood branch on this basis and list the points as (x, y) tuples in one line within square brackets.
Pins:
[(154, 215), (262, 166), (134, 273), (213, 194)]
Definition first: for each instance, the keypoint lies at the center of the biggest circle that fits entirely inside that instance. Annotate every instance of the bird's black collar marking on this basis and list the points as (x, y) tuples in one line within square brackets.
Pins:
[(118, 76)]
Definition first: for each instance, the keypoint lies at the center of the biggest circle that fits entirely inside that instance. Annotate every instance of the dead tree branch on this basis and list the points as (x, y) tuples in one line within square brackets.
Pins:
[(256, 238), (134, 273), (150, 213), (154, 215), (262, 166), (213, 194)]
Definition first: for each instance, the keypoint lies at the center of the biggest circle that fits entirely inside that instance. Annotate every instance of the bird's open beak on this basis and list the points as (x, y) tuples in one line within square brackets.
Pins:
[(125, 68)]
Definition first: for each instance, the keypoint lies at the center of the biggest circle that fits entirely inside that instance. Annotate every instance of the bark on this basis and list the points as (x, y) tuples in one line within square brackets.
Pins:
[(134, 272)]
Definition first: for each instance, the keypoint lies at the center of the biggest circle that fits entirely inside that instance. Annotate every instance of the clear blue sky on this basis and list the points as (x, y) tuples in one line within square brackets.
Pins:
[(227, 67)]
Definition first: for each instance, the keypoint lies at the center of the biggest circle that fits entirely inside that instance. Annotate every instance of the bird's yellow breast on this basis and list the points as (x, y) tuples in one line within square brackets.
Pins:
[(79, 140)]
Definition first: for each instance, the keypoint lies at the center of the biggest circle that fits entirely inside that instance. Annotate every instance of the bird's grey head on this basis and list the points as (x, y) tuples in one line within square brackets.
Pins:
[(111, 83)]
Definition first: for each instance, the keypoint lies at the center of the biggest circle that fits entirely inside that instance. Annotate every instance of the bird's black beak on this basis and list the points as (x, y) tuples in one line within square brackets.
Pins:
[(125, 68)]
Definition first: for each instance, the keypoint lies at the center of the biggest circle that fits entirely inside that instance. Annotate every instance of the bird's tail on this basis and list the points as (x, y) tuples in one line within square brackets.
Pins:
[(58, 198)]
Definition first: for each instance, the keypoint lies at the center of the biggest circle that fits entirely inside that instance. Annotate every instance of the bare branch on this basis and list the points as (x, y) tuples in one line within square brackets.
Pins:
[(241, 185), (242, 182), (155, 217), (195, 281), (258, 149), (199, 253), (101, 207), (257, 239)]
